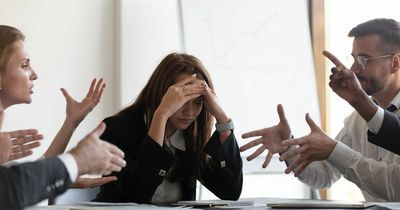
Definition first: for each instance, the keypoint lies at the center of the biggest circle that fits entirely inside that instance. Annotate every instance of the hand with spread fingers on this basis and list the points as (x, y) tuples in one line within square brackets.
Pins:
[(77, 111), (18, 144), (315, 146), (23, 141), (269, 138), (82, 183)]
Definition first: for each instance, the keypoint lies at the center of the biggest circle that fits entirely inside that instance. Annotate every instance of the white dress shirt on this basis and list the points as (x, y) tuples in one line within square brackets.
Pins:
[(71, 165), (170, 191), (374, 170)]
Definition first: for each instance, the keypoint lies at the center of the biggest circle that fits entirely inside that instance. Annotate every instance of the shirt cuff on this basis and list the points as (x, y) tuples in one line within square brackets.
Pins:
[(343, 156), (375, 123), (71, 165)]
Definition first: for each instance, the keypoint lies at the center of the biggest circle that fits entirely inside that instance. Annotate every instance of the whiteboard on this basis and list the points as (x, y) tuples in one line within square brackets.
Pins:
[(259, 54)]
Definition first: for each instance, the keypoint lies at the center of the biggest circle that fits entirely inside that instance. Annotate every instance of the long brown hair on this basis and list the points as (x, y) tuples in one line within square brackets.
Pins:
[(8, 35), (165, 75)]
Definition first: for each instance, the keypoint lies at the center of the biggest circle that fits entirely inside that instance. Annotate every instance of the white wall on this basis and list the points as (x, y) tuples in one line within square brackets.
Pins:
[(69, 42), (150, 29)]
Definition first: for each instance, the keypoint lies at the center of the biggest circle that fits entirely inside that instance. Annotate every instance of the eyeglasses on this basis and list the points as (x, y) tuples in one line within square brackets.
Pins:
[(362, 59)]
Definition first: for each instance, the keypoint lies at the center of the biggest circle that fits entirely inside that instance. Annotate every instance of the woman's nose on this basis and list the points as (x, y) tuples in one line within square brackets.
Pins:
[(188, 108), (34, 76)]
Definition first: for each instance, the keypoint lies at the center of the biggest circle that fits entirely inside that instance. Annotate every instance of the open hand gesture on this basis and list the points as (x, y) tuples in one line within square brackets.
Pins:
[(17, 144), (77, 111), (315, 146), (269, 138)]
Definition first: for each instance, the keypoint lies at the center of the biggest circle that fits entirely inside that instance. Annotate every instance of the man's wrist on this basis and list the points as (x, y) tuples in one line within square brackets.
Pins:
[(364, 105), (70, 164)]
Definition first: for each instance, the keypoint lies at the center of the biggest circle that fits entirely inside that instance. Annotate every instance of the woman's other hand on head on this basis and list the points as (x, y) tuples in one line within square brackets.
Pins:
[(212, 105)]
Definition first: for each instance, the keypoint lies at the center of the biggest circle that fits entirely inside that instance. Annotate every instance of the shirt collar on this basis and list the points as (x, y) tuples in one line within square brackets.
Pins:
[(178, 140), (396, 100)]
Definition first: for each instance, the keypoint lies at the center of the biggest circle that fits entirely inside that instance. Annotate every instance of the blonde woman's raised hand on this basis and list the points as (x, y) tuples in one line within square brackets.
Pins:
[(77, 111)]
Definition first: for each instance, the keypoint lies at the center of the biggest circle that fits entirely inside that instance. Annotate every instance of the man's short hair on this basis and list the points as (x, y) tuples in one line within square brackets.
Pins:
[(387, 29)]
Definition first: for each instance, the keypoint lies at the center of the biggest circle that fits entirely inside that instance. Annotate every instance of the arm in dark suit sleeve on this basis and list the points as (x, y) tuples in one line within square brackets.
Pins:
[(224, 177), (388, 135), (147, 163), (29, 183)]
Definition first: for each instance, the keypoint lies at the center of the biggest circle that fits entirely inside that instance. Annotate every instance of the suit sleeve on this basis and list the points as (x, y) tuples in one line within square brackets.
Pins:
[(388, 135), (224, 175), (29, 183), (147, 165)]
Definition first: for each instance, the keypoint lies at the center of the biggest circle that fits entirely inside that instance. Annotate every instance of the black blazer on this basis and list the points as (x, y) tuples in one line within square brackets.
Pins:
[(388, 136), (147, 163), (29, 183)]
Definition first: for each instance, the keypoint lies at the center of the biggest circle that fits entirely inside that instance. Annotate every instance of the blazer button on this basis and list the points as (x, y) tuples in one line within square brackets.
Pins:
[(162, 172), (223, 164)]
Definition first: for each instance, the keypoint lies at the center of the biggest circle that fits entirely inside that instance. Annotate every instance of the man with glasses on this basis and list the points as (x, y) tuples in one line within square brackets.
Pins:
[(318, 160)]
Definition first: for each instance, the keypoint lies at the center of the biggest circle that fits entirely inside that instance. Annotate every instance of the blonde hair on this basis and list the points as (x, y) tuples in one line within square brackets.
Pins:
[(8, 36)]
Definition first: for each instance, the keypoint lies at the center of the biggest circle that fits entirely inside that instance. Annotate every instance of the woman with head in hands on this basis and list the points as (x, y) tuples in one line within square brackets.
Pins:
[(166, 136)]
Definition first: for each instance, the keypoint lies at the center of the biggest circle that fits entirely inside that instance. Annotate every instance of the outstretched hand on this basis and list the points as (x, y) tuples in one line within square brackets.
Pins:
[(77, 111), (269, 138), (315, 146), (17, 144), (95, 156), (23, 141)]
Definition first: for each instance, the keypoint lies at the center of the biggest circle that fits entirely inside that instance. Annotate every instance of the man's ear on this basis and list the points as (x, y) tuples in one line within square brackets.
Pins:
[(395, 63)]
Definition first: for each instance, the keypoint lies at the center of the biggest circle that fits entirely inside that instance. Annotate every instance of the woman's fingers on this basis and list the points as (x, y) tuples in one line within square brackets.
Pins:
[(25, 147), (91, 88), (187, 80), (98, 92)]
